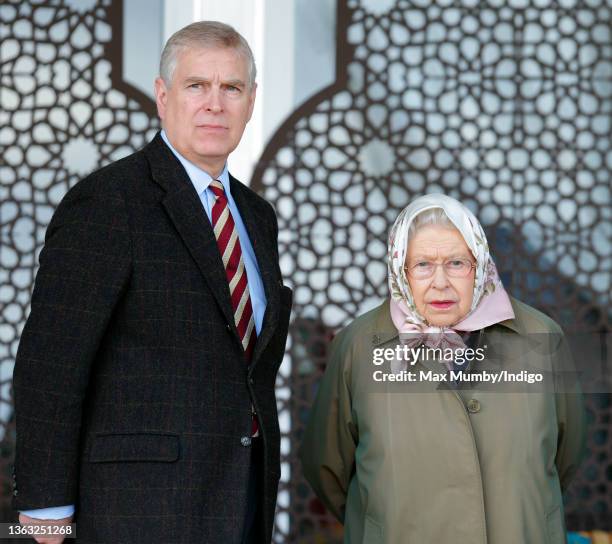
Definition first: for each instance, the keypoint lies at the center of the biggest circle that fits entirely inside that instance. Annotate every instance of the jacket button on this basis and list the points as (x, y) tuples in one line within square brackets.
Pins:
[(228, 328), (15, 493), (245, 441), (280, 283), (251, 381), (473, 406)]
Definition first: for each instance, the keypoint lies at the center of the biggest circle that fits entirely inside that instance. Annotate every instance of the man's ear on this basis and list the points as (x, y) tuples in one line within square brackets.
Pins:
[(252, 101), (161, 96)]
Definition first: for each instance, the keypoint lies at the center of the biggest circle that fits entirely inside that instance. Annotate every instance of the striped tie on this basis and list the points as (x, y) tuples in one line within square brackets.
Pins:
[(231, 254)]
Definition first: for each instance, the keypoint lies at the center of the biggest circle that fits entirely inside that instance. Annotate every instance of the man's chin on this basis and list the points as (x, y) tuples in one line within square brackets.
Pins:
[(212, 153)]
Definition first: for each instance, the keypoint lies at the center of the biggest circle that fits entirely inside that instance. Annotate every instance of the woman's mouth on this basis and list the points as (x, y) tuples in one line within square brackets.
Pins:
[(442, 304)]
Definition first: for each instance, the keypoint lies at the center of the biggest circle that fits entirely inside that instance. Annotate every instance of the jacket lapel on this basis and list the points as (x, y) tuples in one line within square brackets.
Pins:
[(184, 208), (253, 218)]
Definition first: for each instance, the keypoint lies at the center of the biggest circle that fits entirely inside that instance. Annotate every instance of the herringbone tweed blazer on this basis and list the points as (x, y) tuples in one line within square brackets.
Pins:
[(132, 394)]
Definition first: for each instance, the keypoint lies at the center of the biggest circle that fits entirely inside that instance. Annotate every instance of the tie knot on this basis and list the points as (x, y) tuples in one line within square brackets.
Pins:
[(217, 188)]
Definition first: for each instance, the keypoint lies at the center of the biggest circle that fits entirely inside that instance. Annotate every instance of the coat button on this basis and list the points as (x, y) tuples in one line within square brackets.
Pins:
[(245, 441), (15, 493), (473, 406), (251, 381), (228, 328), (280, 283)]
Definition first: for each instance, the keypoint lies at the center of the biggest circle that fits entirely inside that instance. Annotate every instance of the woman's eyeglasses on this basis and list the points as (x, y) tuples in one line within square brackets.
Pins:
[(454, 268)]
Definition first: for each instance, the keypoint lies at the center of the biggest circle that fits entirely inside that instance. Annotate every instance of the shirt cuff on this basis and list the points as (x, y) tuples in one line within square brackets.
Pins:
[(56, 512)]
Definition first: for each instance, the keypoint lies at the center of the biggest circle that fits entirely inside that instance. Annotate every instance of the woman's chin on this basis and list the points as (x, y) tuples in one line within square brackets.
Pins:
[(442, 320)]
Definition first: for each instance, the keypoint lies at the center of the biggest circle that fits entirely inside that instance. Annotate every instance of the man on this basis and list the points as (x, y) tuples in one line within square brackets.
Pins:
[(144, 379)]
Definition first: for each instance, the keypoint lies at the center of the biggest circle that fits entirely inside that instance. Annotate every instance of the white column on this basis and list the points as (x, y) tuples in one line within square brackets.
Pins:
[(268, 26), (177, 14)]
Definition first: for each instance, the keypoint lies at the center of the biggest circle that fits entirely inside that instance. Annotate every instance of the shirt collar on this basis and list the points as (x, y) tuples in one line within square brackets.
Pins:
[(200, 179)]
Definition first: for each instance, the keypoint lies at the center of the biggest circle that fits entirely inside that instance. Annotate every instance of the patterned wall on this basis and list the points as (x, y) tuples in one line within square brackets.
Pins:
[(503, 105), (65, 112), (506, 107)]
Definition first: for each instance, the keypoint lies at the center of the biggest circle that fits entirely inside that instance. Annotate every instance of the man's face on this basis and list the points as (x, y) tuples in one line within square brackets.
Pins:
[(206, 107)]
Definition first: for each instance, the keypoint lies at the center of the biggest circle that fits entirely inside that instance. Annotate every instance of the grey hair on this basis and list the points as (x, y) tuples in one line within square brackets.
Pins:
[(432, 216), (205, 34)]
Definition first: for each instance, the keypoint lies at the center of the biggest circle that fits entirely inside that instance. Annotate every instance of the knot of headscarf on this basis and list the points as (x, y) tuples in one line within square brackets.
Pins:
[(490, 302)]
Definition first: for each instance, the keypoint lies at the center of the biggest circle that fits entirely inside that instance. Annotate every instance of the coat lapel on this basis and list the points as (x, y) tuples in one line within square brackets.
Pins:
[(253, 218), (185, 211)]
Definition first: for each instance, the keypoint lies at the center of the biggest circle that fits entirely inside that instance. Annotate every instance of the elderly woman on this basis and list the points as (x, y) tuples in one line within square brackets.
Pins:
[(432, 463)]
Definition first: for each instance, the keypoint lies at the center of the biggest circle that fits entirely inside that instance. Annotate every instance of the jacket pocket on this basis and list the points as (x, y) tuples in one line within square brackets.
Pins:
[(555, 526), (372, 532), (125, 447)]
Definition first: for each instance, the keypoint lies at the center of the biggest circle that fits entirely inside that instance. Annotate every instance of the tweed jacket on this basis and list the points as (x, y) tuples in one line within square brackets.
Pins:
[(132, 394)]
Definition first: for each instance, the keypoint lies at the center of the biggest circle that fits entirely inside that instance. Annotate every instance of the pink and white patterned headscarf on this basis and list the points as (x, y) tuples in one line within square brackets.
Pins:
[(490, 302)]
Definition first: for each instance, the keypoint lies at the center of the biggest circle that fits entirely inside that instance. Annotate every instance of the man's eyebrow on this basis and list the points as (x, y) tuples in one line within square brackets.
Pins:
[(198, 79), (234, 82), (195, 79)]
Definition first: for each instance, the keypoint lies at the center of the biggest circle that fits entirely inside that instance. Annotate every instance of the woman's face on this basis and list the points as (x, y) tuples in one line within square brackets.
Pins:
[(440, 299)]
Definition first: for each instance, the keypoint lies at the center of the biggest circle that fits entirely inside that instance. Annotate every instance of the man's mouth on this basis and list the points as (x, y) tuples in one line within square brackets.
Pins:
[(212, 127)]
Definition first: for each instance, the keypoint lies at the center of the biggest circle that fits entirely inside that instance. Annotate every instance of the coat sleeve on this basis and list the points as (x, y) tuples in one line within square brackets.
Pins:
[(571, 415), (328, 448), (85, 266)]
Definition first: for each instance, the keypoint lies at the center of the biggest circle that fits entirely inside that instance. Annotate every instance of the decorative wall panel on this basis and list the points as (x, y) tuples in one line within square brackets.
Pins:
[(64, 113), (506, 106)]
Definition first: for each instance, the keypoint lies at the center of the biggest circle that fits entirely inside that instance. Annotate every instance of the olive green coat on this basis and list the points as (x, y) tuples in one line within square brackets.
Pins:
[(401, 466)]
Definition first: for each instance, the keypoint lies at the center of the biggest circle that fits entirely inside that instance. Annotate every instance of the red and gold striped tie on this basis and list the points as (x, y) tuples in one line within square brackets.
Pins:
[(228, 242), (226, 234)]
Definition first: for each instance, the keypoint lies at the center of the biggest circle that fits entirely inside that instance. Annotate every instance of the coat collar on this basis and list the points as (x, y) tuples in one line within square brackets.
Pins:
[(517, 324), (184, 209), (384, 329)]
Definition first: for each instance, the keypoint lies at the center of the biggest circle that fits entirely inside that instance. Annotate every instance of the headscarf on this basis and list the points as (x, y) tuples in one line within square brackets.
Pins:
[(490, 302)]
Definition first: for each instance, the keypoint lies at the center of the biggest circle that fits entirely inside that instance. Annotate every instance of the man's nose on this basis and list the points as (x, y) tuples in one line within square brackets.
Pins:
[(213, 101)]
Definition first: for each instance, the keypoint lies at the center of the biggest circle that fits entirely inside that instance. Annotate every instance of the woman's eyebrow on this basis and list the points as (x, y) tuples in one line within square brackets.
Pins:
[(460, 255), (423, 257), (433, 257)]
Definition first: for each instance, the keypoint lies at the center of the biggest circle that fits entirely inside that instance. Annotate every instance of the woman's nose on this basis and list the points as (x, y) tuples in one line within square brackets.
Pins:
[(439, 279)]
